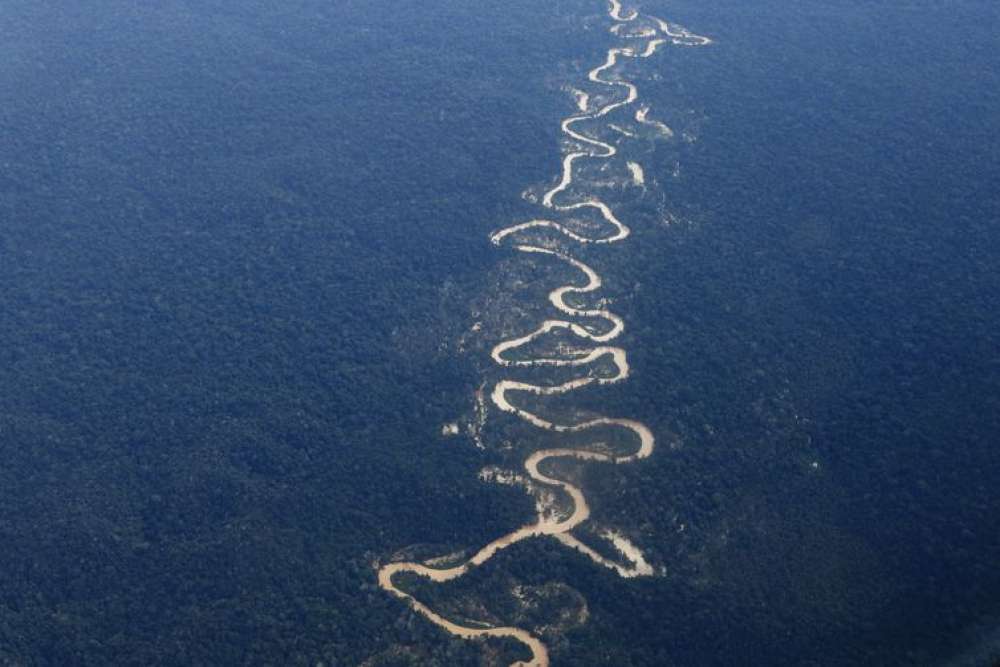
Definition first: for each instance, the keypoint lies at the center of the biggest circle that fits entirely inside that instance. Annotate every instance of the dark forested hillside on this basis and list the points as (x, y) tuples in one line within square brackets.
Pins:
[(237, 244)]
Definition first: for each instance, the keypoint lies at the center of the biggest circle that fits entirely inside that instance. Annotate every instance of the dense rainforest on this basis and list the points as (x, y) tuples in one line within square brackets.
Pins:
[(243, 247)]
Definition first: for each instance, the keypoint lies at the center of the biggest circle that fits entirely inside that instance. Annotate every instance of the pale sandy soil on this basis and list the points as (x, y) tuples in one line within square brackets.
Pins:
[(642, 116), (638, 175), (621, 130)]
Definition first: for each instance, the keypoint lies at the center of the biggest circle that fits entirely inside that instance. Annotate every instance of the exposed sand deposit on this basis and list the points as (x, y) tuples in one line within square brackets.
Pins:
[(638, 175)]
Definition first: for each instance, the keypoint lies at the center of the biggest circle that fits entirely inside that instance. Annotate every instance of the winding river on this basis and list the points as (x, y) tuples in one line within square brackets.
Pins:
[(595, 328)]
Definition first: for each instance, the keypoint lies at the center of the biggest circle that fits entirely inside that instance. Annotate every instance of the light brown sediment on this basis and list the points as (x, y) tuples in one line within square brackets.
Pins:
[(616, 12), (582, 99), (641, 115), (638, 175), (621, 130), (595, 327)]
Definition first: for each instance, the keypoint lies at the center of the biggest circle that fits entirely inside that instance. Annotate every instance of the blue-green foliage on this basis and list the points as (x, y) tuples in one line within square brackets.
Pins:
[(233, 237)]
